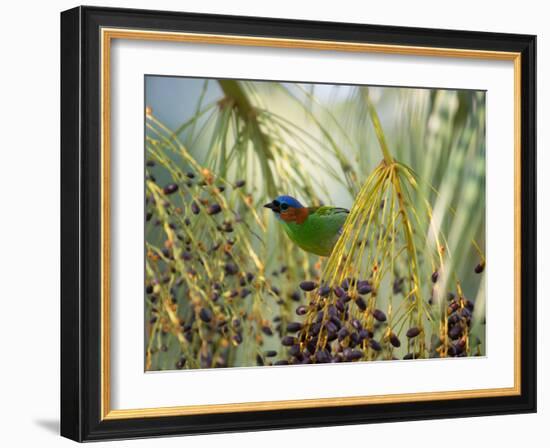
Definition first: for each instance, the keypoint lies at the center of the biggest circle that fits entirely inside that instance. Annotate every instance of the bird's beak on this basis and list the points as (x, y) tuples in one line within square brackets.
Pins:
[(271, 206)]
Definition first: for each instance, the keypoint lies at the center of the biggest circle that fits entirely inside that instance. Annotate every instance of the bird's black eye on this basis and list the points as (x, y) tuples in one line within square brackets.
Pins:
[(276, 203), (284, 206)]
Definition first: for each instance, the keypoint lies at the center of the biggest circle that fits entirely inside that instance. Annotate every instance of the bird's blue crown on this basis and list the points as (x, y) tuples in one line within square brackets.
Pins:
[(288, 200)]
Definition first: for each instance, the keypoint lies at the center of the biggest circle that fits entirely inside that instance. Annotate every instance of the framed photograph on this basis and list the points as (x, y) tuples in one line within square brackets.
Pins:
[(275, 224)]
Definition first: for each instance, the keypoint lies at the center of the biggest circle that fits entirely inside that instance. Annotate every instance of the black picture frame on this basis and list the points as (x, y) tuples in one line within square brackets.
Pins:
[(81, 224)]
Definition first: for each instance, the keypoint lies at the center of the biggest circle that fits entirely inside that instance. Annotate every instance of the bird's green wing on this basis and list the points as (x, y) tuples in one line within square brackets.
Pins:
[(332, 218), (329, 211)]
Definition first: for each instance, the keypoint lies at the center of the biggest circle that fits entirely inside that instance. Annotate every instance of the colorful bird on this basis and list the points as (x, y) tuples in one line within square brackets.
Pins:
[(314, 229)]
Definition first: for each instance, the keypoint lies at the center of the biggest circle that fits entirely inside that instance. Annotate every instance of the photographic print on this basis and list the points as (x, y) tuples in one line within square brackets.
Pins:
[(344, 212), (298, 223)]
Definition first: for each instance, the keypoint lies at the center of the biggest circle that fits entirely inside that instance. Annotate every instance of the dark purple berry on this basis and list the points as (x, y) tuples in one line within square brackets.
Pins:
[(170, 189), (205, 314), (364, 287), (461, 343), (453, 307), (375, 345), (343, 333), (288, 341), (320, 316), (181, 363), (316, 328), (295, 296), (336, 321), (360, 303), (301, 310), (195, 208), (354, 339), (413, 332), (453, 319), (308, 286), (231, 268), (480, 268), (237, 338), (331, 327), (293, 327), (455, 332), (294, 350), (379, 315), (345, 284), (365, 334), (352, 354), (322, 356), (214, 209), (394, 340), (311, 345)]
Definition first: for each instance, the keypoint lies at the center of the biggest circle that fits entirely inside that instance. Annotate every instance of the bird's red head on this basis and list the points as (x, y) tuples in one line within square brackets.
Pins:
[(288, 209)]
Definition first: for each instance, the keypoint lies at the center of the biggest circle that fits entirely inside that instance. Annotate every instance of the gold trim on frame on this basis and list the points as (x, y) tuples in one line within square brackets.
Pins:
[(105, 224), (107, 35)]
